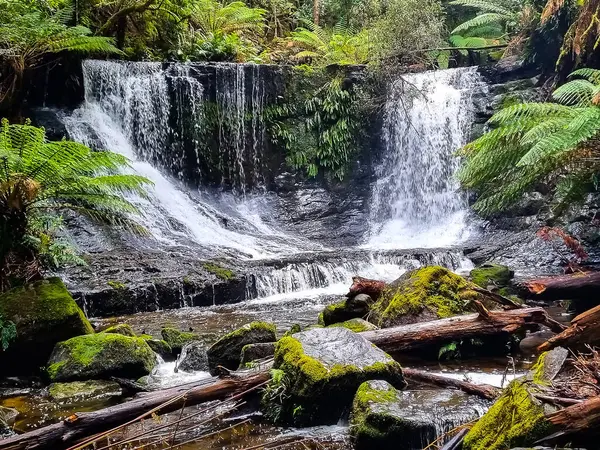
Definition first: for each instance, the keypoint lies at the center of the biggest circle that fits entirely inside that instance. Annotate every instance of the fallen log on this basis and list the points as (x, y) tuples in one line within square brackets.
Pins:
[(482, 390), (580, 285), (81, 425), (584, 329), (580, 418), (485, 323)]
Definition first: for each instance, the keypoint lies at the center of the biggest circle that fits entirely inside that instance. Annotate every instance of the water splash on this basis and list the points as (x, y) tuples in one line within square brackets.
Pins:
[(416, 200)]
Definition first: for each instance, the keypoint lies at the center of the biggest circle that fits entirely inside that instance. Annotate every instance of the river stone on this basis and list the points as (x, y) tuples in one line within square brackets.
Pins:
[(532, 341), (227, 351), (353, 308), (253, 352), (122, 328), (100, 356), (177, 339), (356, 325), (193, 358), (79, 391), (517, 418), (321, 370), (44, 314), (159, 346), (494, 275), (421, 295), (384, 418)]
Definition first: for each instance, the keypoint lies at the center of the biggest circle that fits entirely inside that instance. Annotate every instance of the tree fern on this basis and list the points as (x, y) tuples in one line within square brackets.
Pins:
[(533, 142), (482, 5), (40, 177)]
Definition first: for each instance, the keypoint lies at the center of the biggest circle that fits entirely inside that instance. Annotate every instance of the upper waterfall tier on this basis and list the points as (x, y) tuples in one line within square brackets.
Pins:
[(416, 200)]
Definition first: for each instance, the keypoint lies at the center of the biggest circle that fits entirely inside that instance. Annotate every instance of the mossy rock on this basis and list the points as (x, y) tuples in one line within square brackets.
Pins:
[(158, 346), (384, 418), (219, 271), (518, 418), (319, 373), (122, 328), (81, 391), (227, 351), (492, 274), (356, 325), (177, 339), (423, 294), (44, 314), (353, 308), (100, 356), (253, 352)]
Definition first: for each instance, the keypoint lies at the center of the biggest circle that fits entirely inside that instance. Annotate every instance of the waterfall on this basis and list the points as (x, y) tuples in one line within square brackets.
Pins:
[(416, 201)]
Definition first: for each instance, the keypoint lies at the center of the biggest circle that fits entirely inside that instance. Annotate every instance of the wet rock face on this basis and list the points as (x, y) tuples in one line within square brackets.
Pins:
[(253, 352), (383, 417), (320, 371), (100, 356), (227, 351), (44, 314), (78, 391), (193, 358)]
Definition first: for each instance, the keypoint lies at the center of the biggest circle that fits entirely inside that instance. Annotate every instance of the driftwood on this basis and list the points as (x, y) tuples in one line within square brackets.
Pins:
[(582, 418), (482, 390), (584, 329), (81, 425), (485, 323), (581, 285)]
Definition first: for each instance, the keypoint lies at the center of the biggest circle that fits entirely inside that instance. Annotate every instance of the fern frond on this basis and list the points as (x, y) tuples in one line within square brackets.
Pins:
[(482, 20), (483, 5), (575, 93), (592, 75)]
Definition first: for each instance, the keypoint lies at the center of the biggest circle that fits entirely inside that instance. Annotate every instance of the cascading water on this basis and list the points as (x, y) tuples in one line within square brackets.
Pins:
[(416, 201)]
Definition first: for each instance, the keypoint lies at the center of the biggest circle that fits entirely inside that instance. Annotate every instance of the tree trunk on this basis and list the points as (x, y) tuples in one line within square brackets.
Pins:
[(60, 435), (485, 323), (316, 12), (584, 329), (582, 419), (483, 390), (581, 285)]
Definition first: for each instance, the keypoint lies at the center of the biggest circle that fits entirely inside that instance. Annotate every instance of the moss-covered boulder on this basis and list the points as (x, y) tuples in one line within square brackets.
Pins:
[(80, 391), (423, 294), (518, 418), (227, 351), (318, 373), (253, 352), (100, 356), (353, 308), (356, 325), (177, 339), (495, 275), (44, 314), (122, 328), (384, 418), (159, 346)]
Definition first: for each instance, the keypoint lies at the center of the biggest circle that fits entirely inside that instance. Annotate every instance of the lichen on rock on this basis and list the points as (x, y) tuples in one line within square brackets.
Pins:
[(227, 351), (100, 356), (427, 293), (44, 314), (320, 372)]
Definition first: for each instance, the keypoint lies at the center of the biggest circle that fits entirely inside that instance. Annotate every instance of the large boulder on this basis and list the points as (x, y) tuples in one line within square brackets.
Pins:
[(385, 418), (80, 391), (518, 417), (317, 373), (193, 358), (44, 314), (227, 351), (253, 352), (177, 339), (100, 356), (423, 294)]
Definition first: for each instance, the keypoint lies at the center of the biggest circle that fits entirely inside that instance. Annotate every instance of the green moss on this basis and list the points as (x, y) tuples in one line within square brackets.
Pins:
[(364, 397), (516, 419), (433, 288), (538, 371), (158, 346), (321, 319), (253, 326), (88, 356), (117, 285), (491, 274), (177, 339), (122, 328), (356, 325), (221, 272)]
